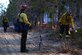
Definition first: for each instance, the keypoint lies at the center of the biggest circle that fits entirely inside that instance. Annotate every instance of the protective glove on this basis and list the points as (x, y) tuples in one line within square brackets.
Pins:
[(30, 26)]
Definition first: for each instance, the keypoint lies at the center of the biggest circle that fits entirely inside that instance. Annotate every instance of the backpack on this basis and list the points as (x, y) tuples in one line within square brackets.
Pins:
[(20, 26)]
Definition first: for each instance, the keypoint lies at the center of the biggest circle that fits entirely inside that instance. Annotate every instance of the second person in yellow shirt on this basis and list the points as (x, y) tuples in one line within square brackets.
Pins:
[(65, 22)]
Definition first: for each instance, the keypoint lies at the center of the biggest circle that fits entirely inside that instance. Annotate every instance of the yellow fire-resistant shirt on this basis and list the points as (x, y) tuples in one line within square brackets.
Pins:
[(63, 20), (24, 19), (5, 19)]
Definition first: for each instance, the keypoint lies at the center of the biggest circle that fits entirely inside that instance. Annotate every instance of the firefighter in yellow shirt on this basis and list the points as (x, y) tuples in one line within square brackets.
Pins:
[(65, 22), (5, 23), (24, 26)]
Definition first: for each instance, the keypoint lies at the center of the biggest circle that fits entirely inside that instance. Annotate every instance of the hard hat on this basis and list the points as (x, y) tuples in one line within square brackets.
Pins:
[(23, 6)]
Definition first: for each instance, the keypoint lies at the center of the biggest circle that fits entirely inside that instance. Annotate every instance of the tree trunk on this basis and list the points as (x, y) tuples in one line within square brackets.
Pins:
[(78, 8), (59, 3)]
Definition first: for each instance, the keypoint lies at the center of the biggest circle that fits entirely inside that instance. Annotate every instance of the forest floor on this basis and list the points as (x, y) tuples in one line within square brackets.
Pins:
[(41, 42)]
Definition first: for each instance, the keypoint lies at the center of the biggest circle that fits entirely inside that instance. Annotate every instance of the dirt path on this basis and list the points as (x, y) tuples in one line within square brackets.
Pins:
[(38, 43)]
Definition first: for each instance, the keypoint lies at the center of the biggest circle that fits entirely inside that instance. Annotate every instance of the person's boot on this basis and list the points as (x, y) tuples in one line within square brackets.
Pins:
[(24, 51)]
